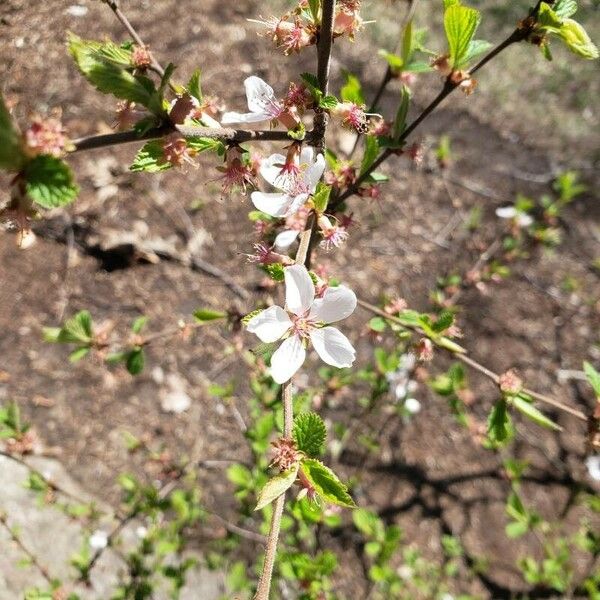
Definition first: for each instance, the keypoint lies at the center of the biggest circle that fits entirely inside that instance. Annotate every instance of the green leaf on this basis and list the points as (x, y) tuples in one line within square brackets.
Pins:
[(77, 329), (328, 102), (368, 523), (321, 197), (407, 42), (460, 23), (593, 377), (314, 6), (110, 77), (139, 324), (445, 320), (547, 18), (499, 423), (577, 40), (239, 475), (49, 182), (394, 61), (401, 113), (565, 8), (275, 271), (371, 153), (516, 529), (193, 86), (377, 324), (78, 354), (205, 315), (12, 156), (476, 48), (312, 83), (204, 144), (352, 90), (150, 158), (326, 483), (531, 412), (309, 433), (135, 361), (276, 486)]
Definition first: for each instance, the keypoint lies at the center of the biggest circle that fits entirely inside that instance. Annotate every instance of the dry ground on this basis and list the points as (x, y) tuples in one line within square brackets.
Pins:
[(429, 477)]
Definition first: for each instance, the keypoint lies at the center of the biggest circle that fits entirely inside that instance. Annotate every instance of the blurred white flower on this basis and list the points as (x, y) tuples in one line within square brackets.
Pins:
[(98, 540), (593, 466), (522, 219), (412, 405)]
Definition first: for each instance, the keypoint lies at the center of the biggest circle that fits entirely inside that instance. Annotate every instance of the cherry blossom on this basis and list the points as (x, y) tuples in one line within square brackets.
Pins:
[(522, 219), (296, 177), (263, 106), (305, 318)]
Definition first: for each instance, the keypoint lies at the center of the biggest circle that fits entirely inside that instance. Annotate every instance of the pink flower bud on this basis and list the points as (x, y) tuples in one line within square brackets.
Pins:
[(353, 116), (425, 350), (46, 136), (140, 58)]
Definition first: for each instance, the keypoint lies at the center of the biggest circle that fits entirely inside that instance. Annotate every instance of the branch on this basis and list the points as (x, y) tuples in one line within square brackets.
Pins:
[(302, 257), (467, 360), (224, 134), (518, 35), (114, 6)]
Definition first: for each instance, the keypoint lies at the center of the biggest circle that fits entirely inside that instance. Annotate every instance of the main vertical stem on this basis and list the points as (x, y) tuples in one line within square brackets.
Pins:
[(302, 257)]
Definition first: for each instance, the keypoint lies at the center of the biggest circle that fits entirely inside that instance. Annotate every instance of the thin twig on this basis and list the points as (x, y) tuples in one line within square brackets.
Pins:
[(223, 134), (32, 558), (517, 35), (114, 6), (463, 357), (302, 256)]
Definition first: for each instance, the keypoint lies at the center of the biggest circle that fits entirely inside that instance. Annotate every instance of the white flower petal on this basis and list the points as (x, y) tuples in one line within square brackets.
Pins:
[(261, 97), (274, 204), (287, 359), (337, 304), (314, 172), (299, 289), (296, 203), (593, 466), (285, 239), (270, 169), (270, 324), (229, 118), (524, 220), (333, 347), (412, 405), (307, 155), (506, 212)]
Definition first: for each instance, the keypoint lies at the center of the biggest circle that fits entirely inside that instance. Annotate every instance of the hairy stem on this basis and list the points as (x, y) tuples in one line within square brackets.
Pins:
[(224, 134), (302, 257)]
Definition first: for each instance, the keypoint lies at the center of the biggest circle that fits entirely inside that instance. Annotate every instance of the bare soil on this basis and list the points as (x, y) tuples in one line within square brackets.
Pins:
[(429, 476)]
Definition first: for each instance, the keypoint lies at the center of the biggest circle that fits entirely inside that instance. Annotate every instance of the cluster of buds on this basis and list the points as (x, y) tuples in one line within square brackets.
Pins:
[(127, 115), (395, 306), (510, 383), (286, 455), (353, 116), (380, 127), (458, 77), (334, 234), (46, 136), (176, 151), (342, 176), (298, 98), (141, 58), (347, 20), (240, 170), (424, 350), (290, 33), (371, 191)]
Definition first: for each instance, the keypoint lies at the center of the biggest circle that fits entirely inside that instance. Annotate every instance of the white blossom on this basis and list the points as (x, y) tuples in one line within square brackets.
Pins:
[(262, 103), (511, 212), (98, 540), (305, 318), (593, 466), (296, 180)]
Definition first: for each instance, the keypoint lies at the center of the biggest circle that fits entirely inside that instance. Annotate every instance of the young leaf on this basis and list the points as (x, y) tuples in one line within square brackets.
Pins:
[(577, 40), (204, 144), (593, 377), (321, 197), (276, 486), (204, 315), (531, 412), (135, 361), (12, 156), (78, 354), (401, 114), (499, 423), (352, 90), (139, 324), (193, 86), (309, 433), (150, 158), (565, 8), (49, 182), (368, 523), (314, 6), (460, 23), (371, 153), (407, 43), (328, 102), (109, 77), (326, 483), (475, 48)]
